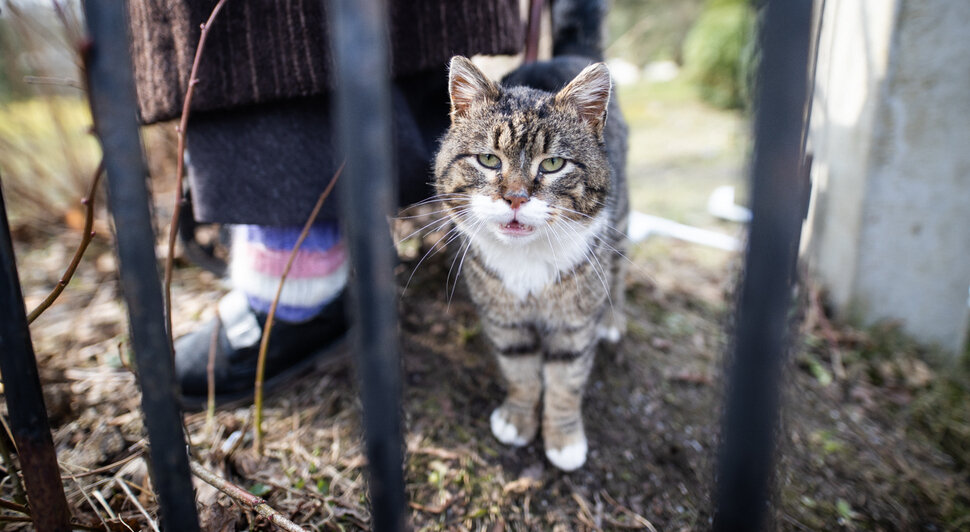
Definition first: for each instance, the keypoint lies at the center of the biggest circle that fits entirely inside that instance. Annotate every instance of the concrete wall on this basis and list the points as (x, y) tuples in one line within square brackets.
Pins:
[(889, 226)]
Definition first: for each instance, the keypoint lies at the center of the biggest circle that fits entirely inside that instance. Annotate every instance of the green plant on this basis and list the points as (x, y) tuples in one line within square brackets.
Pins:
[(717, 52)]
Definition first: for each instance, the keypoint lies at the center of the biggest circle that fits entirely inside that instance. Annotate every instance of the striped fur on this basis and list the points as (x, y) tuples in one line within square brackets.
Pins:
[(542, 251)]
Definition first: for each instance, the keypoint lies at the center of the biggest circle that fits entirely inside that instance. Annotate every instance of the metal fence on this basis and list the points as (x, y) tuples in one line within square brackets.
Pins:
[(362, 116)]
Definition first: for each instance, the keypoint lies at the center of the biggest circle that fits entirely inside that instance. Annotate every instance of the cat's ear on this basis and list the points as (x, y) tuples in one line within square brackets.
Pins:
[(467, 85), (589, 93)]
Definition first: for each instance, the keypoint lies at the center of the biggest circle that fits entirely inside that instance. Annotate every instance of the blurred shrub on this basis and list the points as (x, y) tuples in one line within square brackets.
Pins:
[(718, 51), (641, 31), (46, 157)]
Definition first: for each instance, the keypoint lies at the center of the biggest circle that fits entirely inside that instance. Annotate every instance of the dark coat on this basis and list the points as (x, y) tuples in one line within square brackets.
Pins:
[(269, 50)]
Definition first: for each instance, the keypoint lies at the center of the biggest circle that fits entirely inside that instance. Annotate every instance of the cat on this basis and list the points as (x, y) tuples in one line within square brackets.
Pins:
[(531, 172)]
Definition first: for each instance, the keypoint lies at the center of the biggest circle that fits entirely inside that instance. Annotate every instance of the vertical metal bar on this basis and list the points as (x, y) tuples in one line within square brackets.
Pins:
[(746, 460), (111, 89), (25, 400), (363, 123)]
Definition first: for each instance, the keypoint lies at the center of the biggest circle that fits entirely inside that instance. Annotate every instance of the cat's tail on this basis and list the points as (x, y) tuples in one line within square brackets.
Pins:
[(577, 28)]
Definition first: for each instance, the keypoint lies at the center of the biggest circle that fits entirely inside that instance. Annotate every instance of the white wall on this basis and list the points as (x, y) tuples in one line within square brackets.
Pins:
[(889, 226)]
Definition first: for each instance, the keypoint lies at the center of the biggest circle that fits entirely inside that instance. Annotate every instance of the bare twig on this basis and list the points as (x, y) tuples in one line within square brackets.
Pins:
[(10, 505), (102, 469), (245, 498), (55, 81), (532, 31), (19, 494), (98, 496), (584, 514), (180, 170), (21, 519), (134, 500), (825, 327), (268, 327), (639, 519), (210, 371), (87, 236), (80, 488), (17, 519)]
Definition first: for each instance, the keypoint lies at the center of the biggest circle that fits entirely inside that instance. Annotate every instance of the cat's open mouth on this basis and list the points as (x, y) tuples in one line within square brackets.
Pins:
[(514, 228)]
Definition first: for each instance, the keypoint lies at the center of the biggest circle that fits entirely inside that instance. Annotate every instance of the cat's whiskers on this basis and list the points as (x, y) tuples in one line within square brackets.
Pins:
[(461, 263), (422, 215), (442, 221), (552, 249), (607, 244), (464, 244), (594, 262), (591, 218), (454, 233), (579, 291), (439, 198)]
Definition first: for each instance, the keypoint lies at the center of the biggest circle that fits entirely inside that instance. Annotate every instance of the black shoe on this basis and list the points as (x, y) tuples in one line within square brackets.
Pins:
[(293, 349)]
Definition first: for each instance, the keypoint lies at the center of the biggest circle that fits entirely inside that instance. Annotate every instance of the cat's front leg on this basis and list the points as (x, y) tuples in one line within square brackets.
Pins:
[(516, 421), (568, 361)]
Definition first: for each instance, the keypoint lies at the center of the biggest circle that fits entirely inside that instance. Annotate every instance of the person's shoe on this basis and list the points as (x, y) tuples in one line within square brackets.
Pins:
[(293, 348)]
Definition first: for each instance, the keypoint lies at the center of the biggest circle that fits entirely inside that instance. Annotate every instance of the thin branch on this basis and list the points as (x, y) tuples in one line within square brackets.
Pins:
[(641, 521), (134, 500), (87, 498), (245, 498), (86, 238), (98, 496), (102, 469), (21, 519), (532, 31), (210, 370), (19, 494), (10, 505), (268, 327), (55, 81), (180, 170)]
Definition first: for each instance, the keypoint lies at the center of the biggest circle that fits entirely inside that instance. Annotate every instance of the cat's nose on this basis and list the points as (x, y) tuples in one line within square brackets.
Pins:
[(516, 198)]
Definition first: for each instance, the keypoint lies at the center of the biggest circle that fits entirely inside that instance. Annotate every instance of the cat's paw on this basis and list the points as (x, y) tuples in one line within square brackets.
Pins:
[(610, 334), (512, 428), (568, 458), (612, 327)]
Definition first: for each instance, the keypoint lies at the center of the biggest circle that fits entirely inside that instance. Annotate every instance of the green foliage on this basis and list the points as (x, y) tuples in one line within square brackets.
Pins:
[(10, 85), (718, 50), (46, 156), (641, 31)]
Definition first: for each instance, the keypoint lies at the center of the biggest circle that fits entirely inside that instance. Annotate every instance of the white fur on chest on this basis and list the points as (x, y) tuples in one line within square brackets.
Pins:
[(530, 267)]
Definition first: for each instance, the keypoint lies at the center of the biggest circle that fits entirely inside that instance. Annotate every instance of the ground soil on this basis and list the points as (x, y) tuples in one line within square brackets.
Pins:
[(874, 433), (850, 452)]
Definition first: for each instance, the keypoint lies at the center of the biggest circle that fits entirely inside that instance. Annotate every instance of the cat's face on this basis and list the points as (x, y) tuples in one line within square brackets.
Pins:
[(520, 164)]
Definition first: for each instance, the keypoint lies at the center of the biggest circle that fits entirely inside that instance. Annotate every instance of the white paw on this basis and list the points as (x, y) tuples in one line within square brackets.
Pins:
[(570, 457), (610, 334), (506, 432)]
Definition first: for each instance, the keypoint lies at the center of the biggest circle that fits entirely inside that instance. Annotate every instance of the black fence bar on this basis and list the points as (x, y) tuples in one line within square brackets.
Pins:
[(112, 92), (746, 461), (25, 400), (363, 113)]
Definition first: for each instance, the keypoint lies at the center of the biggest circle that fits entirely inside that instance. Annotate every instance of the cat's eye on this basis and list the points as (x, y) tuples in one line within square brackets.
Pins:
[(489, 160), (552, 164)]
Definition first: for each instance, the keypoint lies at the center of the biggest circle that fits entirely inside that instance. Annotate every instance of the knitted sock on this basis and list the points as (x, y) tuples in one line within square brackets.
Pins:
[(318, 274)]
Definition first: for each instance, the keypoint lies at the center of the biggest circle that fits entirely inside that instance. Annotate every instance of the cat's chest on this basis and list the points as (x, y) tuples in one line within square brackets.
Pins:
[(522, 271)]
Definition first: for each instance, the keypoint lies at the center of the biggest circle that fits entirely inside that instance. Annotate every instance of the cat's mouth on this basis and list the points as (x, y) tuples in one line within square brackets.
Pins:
[(514, 228)]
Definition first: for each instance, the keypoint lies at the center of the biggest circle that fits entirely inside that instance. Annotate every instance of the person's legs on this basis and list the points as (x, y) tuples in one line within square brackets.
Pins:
[(317, 276), (309, 318), (264, 166)]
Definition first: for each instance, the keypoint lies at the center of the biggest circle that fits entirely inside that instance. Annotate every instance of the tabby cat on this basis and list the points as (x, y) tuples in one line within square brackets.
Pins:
[(532, 172)]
